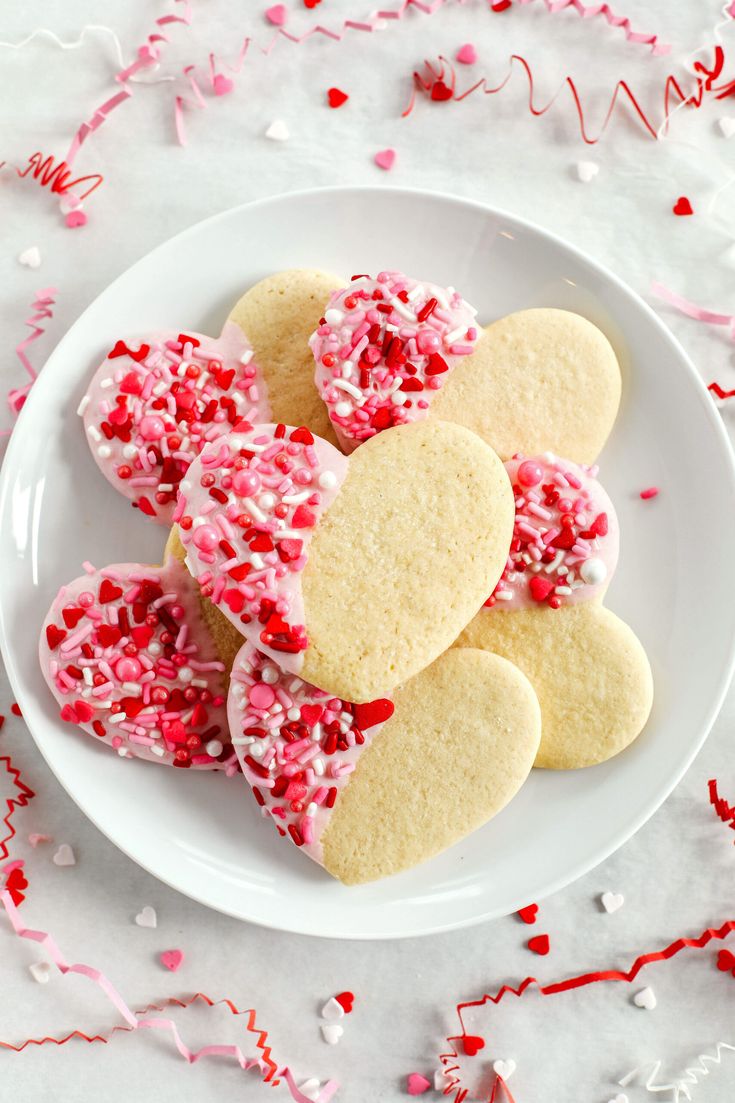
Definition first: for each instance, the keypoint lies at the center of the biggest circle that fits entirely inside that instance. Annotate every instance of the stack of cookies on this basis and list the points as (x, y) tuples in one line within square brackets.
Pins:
[(381, 599)]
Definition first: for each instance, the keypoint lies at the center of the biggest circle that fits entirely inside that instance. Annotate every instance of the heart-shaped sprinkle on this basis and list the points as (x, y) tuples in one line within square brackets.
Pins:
[(277, 15), (440, 1080), (172, 959), (40, 971), (539, 944), (332, 1010), (726, 961), (258, 483), (346, 1000), (611, 901), (331, 1033), (278, 131), (15, 882), (385, 159), (140, 671), (336, 97), (75, 219), (150, 409), (472, 1045), (416, 1084), (31, 257), (646, 999), (440, 92), (565, 536), (467, 54), (529, 913), (727, 126), (384, 348), (587, 171), (35, 839), (683, 206), (504, 1069), (147, 917), (297, 747), (221, 84), (65, 856)]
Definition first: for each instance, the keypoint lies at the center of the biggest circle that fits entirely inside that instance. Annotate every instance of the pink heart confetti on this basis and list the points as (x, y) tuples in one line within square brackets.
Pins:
[(385, 159), (416, 1084), (75, 219), (467, 54), (172, 959), (222, 85), (277, 15)]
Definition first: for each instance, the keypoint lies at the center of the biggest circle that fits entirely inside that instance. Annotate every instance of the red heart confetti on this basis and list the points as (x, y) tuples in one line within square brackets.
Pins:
[(726, 962), (336, 97), (539, 944), (346, 999), (683, 206), (15, 709), (529, 913), (441, 92), (471, 1044), (501, 5), (372, 713)]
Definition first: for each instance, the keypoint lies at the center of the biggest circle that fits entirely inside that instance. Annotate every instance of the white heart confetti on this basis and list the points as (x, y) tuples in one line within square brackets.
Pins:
[(504, 1069), (645, 998), (727, 126), (332, 1010), (440, 1080), (621, 1097), (587, 170), (331, 1033), (310, 1088), (611, 901), (147, 917), (64, 856), (278, 131), (30, 258), (40, 971)]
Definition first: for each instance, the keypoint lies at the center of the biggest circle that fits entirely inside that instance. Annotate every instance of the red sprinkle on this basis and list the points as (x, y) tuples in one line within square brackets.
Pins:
[(650, 492)]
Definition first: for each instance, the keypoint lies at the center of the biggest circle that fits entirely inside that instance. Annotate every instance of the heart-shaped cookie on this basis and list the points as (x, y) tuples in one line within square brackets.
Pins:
[(279, 314), (383, 349), (127, 655), (355, 576), (370, 790), (156, 401)]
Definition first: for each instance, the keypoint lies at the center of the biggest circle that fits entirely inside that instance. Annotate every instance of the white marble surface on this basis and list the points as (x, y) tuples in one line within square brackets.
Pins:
[(677, 873)]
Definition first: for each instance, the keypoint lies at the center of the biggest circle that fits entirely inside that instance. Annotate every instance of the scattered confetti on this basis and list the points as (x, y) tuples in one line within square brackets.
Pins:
[(172, 960), (147, 917), (332, 1010), (35, 838), (727, 126), (31, 257), (278, 131), (416, 1084), (539, 944), (504, 1069), (467, 54), (336, 97), (15, 708), (75, 220), (40, 971), (331, 1033), (500, 5), (646, 999), (726, 962), (683, 206), (345, 1000), (611, 901), (649, 492), (277, 15), (472, 1045), (15, 881), (587, 171), (529, 913), (385, 159), (65, 856)]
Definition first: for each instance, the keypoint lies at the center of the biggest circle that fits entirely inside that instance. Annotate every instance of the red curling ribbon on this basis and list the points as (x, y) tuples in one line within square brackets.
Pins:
[(723, 810), (567, 985), (57, 176), (19, 800), (143, 1020), (673, 92)]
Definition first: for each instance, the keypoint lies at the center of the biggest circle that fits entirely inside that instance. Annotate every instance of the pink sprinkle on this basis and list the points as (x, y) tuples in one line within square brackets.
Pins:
[(651, 492), (261, 696), (172, 959), (467, 54), (222, 85), (416, 1084), (276, 15), (75, 219), (385, 159)]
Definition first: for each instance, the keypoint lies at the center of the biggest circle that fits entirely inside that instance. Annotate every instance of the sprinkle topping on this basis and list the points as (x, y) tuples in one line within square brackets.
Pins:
[(384, 347), (247, 510), (565, 537), (155, 403), (299, 750), (127, 656)]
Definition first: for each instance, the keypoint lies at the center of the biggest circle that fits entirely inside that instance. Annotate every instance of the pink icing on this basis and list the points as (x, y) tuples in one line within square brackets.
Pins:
[(152, 406), (565, 538), (247, 510), (128, 658), (297, 746), (384, 348)]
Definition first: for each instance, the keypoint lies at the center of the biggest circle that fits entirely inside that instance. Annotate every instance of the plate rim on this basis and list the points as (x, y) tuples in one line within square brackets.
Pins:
[(727, 667)]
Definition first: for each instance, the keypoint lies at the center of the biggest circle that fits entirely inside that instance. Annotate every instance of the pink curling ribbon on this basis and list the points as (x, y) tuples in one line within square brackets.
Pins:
[(699, 313), (43, 309)]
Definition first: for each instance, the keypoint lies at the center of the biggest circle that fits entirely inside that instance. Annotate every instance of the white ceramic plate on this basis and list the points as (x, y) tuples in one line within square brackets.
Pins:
[(201, 833)]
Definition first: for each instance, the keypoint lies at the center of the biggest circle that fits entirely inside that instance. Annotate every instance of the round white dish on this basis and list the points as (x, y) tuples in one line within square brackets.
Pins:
[(202, 833)]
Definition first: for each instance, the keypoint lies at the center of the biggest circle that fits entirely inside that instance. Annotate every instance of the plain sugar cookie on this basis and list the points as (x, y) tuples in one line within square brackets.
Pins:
[(370, 790), (588, 668), (354, 574), (539, 380), (278, 315)]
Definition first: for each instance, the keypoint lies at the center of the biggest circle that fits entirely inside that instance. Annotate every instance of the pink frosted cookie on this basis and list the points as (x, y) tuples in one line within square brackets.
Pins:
[(156, 402), (565, 538), (127, 656), (384, 348)]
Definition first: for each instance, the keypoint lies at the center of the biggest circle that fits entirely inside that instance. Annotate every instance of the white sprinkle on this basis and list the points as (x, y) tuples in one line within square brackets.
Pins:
[(257, 750), (214, 748), (332, 1010), (727, 126), (331, 1033), (185, 674), (349, 388), (278, 131), (504, 1069), (317, 766), (294, 714), (333, 317), (147, 917), (94, 432), (253, 510), (327, 480), (343, 409), (398, 398), (64, 856), (646, 999), (347, 368), (31, 257), (83, 405), (593, 571), (611, 901), (247, 356), (269, 675), (503, 595), (106, 383), (587, 171), (40, 971), (130, 451)]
